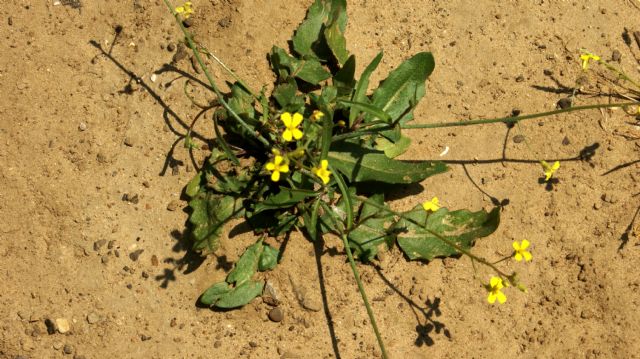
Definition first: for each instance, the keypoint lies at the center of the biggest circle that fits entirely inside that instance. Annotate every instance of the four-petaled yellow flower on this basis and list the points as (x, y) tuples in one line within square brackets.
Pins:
[(432, 205), (494, 288), (279, 165), (322, 171), (520, 251), (549, 169), (317, 115), (291, 124), (185, 10), (586, 57)]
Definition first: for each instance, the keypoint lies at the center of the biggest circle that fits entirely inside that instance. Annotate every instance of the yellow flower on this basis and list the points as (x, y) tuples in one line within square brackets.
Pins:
[(317, 115), (185, 10), (519, 251), (549, 170), (341, 123), (291, 123), (494, 287), (322, 171), (432, 205), (586, 57), (279, 165)]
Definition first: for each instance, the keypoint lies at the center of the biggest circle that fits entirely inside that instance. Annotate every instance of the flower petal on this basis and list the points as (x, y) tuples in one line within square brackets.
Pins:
[(527, 256), (517, 256), (270, 166), (525, 244), (324, 164), (297, 120), (284, 168), (501, 297), (287, 135), (277, 160), (297, 134), (275, 176), (516, 246), (555, 166), (286, 119), (496, 282), (491, 298)]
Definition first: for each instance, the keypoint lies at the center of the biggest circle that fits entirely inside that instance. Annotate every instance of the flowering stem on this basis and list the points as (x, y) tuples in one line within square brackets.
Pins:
[(512, 119), (205, 69), (345, 240)]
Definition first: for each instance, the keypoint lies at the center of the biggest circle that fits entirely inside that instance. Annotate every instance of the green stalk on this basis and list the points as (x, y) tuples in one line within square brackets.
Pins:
[(205, 69), (518, 118), (347, 198)]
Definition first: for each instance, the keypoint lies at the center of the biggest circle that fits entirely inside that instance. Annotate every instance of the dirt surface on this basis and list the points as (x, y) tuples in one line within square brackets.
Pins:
[(91, 159)]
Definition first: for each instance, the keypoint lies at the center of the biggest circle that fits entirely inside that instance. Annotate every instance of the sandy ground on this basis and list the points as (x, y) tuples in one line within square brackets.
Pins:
[(78, 134)]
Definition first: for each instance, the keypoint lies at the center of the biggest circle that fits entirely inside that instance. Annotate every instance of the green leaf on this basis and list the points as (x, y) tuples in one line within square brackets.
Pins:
[(240, 295), (268, 259), (461, 227), (215, 292), (371, 230), (241, 102), (334, 32), (344, 80), (286, 198), (361, 164), (193, 187), (404, 86), (247, 264), (360, 95), (392, 149), (210, 212), (310, 71), (286, 94), (309, 30), (365, 107)]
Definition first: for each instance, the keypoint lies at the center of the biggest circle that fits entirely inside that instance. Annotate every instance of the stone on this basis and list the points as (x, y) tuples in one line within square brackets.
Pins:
[(57, 345), (173, 205), (135, 255), (565, 103), (93, 318), (82, 126), (62, 325), (97, 245), (68, 349), (276, 314), (518, 138)]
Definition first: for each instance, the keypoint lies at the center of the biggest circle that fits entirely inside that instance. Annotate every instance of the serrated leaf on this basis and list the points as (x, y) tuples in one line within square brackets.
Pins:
[(360, 94), (361, 164), (215, 292), (268, 258), (209, 213), (461, 227), (240, 295), (247, 264), (404, 86), (309, 30)]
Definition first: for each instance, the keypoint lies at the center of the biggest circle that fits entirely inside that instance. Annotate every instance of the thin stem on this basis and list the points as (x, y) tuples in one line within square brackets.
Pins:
[(517, 118), (205, 69), (372, 317)]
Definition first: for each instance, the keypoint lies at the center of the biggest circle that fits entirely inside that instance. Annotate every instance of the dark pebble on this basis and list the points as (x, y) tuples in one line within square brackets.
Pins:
[(104, 259), (187, 22), (111, 244), (154, 260), (97, 245), (616, 56), (515, 112), (518, 138), (10, 21), (144, 338), (565, 103), (548, 72), (51, 326), (145, 275), (171, 47), (276, 314), (520, 78), (136, 254), (253, 344), (181, 53), (217, 344), (130, 286), (68, 349), (225, 22), (565, 141)]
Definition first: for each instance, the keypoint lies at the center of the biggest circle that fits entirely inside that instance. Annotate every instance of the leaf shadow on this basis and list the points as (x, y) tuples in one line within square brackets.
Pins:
[(431, 310)]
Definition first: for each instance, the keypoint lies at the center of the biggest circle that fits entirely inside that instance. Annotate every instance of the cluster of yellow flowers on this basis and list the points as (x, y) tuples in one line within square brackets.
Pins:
[(292, 133), (185, 10)]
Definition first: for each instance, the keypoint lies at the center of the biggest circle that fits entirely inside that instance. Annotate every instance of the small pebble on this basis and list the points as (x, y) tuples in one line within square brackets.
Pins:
[(144, 338), (136, 254), (276, 314), (145, 275), (104, 259), (128, 141), (565, 141), (520, 78), (187, 23), (51, 326), (565, 103), (597, 206), (548, 72), (616, 56), (93, 318), (225, 22), (146, 184), (111, 244), (171, 47), (82, 126), (63, 326), (97, 245), (154, 260), (217, 344), (68, 349), (173, 205), (10, 21), (518, 138), (57, 345)]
